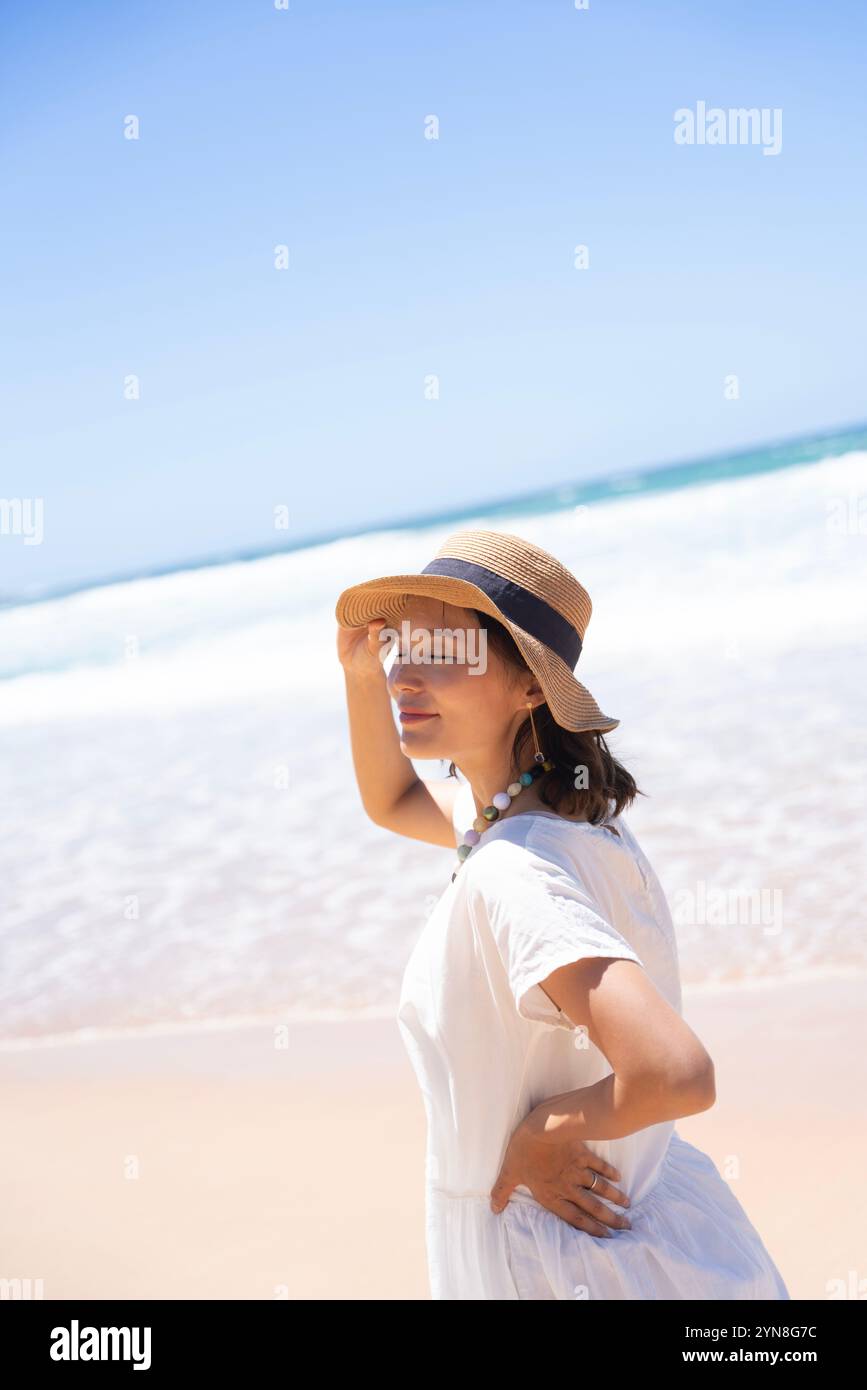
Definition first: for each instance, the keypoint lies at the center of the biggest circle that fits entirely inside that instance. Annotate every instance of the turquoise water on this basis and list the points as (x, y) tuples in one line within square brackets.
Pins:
[(690, 473), (182, 839)]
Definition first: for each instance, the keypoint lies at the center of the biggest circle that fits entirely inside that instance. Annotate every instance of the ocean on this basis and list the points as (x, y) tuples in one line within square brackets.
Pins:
[(183, 842)]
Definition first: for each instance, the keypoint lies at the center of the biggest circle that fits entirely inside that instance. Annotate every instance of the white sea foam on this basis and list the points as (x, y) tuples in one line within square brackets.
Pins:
[(183, 840)]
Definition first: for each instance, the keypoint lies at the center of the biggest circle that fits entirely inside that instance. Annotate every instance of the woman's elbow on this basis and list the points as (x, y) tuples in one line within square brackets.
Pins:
[(674, 1093), (696, 1091)]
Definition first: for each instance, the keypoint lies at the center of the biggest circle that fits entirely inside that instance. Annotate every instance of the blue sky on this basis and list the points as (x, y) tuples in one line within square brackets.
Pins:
[(407, 257)]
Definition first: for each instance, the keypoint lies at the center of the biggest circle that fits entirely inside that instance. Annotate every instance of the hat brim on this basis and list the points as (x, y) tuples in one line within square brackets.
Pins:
[(570, 702)]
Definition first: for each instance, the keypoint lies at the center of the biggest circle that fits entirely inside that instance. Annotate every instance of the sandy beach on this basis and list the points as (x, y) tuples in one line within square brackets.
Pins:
[(536, 339), (216, 1164)]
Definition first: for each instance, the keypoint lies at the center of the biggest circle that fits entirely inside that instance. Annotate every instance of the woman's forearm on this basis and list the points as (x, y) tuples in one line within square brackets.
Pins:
[(612, 1109), (382, 770)]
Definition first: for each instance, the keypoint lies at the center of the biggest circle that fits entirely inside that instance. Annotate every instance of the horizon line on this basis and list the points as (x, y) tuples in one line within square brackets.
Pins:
[(604, 484)]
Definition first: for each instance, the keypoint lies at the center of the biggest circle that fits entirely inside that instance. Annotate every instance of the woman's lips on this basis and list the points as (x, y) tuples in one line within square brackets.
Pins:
[(409, 717)]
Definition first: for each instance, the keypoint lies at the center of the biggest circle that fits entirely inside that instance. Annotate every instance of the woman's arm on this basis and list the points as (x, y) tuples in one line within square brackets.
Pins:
[(660, 1070), (610, 1110), (393, 796)]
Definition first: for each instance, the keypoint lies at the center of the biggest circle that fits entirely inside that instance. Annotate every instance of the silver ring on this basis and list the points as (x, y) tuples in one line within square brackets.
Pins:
[(593, 1184)]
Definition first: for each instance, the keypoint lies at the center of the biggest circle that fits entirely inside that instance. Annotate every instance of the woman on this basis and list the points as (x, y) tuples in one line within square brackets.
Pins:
[(541, 1006)]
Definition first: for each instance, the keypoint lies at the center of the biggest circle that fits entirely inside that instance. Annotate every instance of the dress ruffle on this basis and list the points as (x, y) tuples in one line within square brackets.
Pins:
[(690, 1239)]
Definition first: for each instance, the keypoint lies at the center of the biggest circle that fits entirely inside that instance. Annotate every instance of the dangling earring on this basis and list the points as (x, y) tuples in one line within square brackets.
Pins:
[(539, 756)]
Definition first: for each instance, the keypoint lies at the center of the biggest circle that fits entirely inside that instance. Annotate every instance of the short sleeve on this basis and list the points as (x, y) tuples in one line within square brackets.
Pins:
[(538, 916)]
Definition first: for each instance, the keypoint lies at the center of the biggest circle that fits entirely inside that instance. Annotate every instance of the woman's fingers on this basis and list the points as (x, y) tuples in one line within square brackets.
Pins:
[(580, 1174), (580, 1193), (607, 1189), (577, 1217), (376, 645), (598, 1165), (591, 1206)]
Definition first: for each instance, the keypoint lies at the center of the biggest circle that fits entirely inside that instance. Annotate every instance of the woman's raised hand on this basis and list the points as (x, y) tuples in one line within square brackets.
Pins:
[(360, 650)]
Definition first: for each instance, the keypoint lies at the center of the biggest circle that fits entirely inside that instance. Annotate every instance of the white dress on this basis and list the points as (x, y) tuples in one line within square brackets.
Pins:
[(487, 1044)]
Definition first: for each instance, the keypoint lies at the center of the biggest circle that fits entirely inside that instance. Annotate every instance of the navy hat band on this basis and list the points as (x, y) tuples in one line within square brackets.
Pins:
[(527, 610)]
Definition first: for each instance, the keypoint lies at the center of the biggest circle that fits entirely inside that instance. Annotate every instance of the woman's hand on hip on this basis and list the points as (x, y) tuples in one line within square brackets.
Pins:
[(559, 1175)]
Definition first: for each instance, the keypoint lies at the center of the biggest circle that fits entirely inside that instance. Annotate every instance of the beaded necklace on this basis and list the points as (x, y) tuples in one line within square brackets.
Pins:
[(503, 800)]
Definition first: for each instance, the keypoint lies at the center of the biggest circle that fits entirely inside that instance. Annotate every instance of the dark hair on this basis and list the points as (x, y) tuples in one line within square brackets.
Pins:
[(610, 788)]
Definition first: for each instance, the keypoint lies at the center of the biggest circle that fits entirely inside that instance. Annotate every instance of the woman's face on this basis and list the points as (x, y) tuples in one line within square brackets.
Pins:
[(470, 707)]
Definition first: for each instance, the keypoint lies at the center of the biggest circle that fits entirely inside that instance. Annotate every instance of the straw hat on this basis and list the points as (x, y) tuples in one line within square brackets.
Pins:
[(535, 597)]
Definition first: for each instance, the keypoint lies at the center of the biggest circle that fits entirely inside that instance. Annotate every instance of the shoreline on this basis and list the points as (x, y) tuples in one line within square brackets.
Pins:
[(179, 1029)]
